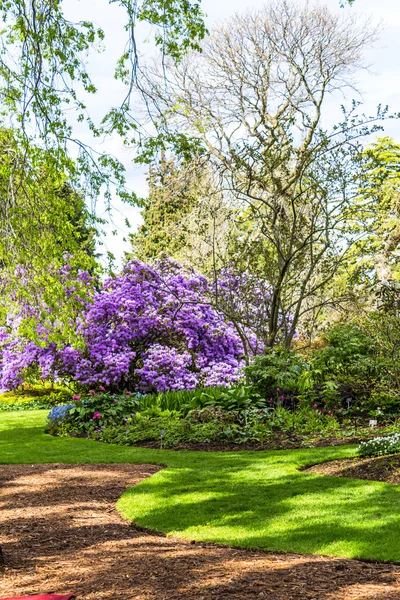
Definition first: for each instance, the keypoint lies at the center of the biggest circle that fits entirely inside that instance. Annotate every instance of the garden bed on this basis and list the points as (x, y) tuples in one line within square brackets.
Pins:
[(377, 468), (61, 532), (280, 442)]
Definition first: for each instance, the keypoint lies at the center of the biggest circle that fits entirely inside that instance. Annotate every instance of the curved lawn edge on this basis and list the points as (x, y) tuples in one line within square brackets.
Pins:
[(247, 499)]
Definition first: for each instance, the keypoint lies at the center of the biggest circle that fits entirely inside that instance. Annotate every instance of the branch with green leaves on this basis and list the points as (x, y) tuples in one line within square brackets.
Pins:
[(44, 78)]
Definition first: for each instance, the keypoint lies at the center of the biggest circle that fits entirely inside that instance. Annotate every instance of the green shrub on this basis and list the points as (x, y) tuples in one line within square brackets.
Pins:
[(182, 400), (276, 373), (212, 414), (347, 366), (93, 413), (34, 399)]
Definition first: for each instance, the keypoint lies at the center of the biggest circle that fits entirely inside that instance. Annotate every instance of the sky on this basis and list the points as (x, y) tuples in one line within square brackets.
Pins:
[(380, 85)]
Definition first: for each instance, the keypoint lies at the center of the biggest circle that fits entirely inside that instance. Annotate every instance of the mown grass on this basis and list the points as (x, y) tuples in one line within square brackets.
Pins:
[(247, 499)]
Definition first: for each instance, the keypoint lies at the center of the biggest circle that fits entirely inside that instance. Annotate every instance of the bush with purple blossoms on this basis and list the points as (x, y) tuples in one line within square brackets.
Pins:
[(150, 329)]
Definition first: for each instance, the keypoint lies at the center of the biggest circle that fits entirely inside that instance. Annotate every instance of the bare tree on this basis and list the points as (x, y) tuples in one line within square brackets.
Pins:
[(253, 99)]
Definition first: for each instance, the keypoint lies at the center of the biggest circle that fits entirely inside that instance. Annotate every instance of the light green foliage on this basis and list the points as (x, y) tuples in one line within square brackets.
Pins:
[(180, 24), (33, 399), (181, 400), (44, 224), (43, 65), (41, 216), (377, 214)]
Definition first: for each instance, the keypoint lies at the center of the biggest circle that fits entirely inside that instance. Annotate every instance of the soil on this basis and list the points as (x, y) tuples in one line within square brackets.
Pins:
[(378, 468), (276, 443), (61, 533)]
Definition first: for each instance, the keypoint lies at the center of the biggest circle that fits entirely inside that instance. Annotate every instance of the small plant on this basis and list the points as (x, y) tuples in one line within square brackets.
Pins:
[(380, 445), (240, 398), (87, 414), (212, 414), (58, 416)]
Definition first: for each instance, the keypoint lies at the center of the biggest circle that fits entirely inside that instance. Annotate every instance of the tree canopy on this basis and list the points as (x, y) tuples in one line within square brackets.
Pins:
[(253, 101)]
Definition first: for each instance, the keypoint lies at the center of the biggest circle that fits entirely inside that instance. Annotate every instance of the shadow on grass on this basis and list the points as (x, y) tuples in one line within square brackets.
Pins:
[(78, 544), (248, 499), (275, 508)]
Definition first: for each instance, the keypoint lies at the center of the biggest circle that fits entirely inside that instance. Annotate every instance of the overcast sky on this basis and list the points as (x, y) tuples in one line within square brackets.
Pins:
[(379, 86)]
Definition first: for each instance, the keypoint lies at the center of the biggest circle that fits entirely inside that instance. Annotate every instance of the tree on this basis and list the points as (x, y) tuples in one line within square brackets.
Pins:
[(174, 192), (378, 214), (44, 80), (41, 216), (253, 102), (44, 224)]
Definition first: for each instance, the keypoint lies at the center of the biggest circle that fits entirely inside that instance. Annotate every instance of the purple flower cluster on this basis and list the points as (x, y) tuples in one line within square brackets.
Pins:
[(151, 328), (245, 298)]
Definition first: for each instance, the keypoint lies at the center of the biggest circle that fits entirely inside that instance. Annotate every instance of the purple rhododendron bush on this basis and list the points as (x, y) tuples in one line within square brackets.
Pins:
[(151, 328)]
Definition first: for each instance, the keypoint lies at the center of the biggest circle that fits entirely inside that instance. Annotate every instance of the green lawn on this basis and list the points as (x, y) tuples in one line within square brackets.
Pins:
[(248, 499)]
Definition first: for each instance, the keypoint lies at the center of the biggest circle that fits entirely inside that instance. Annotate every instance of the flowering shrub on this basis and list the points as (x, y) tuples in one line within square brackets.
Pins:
[(152, 329), (380, 445), (149, 329), (165, 369), (246, 300), (92, 413), (60, 414)]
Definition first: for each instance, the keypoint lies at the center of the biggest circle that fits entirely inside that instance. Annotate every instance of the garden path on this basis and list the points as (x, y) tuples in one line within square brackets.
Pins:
[(61, 532)]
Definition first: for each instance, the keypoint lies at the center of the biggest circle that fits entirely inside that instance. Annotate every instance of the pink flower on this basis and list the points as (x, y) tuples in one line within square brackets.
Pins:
[(101, 388), (76, 398), (315, 406), (278, 389), (115, 400), (97, 415), (128, 393), (92, 393)]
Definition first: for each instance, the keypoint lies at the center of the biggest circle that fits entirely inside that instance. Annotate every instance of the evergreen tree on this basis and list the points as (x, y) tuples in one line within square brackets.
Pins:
[(174, 192)]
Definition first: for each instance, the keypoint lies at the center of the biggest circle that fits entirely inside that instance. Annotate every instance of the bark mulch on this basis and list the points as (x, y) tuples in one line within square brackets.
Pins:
[(377, 468), (60, 533)]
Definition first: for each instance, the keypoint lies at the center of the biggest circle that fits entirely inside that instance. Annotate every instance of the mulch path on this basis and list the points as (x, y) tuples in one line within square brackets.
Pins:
[(60, 532), (377, 468)]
